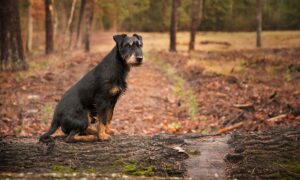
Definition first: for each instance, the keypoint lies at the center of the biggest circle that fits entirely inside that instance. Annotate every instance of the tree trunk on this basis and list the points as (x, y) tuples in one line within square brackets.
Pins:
[(30, 28), (68, 31), (82, 8), (55, 23), (173, 25), (89, 13), (196, 15), (48, 26), (269, 155), (259, 23), (11, 46)]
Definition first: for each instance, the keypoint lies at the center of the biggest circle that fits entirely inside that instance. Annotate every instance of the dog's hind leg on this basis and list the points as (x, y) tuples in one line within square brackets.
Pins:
[(90, 131), (75, 137), (70, 137), (87, 138)]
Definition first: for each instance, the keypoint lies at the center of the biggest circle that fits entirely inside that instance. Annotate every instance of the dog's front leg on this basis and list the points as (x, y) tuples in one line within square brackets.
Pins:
[(109, 115), (102, 121)]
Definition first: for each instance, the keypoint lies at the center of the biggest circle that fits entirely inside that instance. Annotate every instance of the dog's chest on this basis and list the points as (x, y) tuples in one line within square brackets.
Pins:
[(117, 89)]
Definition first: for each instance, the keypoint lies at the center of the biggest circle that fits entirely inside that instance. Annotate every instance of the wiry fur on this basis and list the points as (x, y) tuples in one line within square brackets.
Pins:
[(93, 93)]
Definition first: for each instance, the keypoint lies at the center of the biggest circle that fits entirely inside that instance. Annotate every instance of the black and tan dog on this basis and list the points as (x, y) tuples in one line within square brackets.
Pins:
[(96, 94)]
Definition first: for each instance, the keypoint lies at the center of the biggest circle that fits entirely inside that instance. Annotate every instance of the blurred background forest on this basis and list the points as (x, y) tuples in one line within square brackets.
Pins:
[(154, 15), (234, 64)]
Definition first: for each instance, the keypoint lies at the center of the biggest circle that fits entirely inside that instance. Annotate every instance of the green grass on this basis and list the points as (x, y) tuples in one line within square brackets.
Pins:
[(175, 125), (38, 66), (18, 129), (135, 170), (187, 95), (47, 112), (62, 169), (287, 75)]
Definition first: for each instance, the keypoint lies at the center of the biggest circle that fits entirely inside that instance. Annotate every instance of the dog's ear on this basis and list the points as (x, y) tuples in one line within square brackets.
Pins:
[(139, 38), (119, 38)]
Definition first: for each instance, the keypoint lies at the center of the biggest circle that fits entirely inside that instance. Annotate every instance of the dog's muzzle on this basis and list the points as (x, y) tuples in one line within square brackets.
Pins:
[(139, 59), (135, 60)]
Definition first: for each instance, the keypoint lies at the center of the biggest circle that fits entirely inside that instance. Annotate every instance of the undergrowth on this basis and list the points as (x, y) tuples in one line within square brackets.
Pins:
[(179, 88)]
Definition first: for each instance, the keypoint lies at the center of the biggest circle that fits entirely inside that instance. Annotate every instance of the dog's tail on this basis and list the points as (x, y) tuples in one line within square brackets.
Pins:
[(46, 137)]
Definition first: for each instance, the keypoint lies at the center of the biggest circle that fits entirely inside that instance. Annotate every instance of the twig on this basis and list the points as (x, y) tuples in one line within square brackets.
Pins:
[(277, 118), (273, 95), (249, 106), (230, 128)]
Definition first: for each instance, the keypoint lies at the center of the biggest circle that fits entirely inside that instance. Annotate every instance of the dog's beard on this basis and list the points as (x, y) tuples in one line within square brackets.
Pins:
[(132, 61)]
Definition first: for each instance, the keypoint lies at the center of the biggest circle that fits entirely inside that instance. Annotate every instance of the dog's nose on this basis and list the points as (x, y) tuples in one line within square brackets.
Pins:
[(139, 58)]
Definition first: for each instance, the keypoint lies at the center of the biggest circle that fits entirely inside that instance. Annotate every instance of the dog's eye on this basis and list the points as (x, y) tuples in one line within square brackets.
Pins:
[(128, 45)]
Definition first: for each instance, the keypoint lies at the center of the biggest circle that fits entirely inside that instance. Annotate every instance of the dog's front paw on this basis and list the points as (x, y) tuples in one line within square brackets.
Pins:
[(104, 137), (110, 131)]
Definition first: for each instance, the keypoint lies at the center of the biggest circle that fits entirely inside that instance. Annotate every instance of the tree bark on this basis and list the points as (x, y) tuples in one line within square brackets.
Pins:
[(196, 16), (173, 25), (273, 154), (55, 23), (89, 13), (68, 31), (259, 23), (82, 8), (11, 46), (48, 27), (30, 28)]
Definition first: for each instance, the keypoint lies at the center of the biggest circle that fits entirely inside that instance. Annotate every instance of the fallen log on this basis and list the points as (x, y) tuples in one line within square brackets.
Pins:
[(271, 154), (216, 42)]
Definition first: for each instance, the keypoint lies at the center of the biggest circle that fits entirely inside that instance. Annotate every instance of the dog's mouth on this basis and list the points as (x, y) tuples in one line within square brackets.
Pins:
[(134, 60), (136, 63)]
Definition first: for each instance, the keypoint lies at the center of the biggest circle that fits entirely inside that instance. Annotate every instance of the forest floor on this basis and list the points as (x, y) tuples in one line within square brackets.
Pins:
[(226, 85)]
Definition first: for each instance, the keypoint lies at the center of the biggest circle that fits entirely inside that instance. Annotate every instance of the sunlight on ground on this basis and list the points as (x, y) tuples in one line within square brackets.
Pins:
[(219, 67), (217, 41), (237, 40)]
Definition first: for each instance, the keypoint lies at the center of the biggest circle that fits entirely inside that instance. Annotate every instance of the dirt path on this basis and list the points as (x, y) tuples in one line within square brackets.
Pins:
[(148, 103)]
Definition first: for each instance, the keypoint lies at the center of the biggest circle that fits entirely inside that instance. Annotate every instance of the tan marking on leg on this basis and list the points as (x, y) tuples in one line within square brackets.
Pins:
[(86, 138), (89, 117), (114, 90), (90, 131), (110, 130), (102, 136), (109, 114)]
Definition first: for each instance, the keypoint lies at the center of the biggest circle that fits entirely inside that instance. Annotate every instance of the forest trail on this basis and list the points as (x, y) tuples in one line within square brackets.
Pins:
[(147, 103), (164, 90), (147, 107)]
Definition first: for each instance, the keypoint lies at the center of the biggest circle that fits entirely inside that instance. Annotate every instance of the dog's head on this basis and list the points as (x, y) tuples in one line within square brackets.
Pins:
[(130, 48)]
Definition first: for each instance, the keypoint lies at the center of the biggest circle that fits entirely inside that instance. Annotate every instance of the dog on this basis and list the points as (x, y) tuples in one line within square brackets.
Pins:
[(95, 95)]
